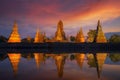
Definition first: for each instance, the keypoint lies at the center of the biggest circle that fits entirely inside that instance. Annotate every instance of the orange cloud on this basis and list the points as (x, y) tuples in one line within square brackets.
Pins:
[(73, 13)]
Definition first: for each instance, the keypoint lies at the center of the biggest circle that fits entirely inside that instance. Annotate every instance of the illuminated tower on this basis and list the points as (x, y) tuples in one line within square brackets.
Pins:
[(14, 60), (100, 37), (39, 57), (100, 57), (59, 61), (80, 36), (80, 56), (14, 36), (60, 34), (39, 37)]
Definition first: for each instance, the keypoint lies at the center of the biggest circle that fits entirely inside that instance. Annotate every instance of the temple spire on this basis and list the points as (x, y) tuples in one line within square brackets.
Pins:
[(15, 26), (60, 25), (99, 37), (80, 36), (60, 34), (39, 57), (99, 28), (38, 37), (14, 36)]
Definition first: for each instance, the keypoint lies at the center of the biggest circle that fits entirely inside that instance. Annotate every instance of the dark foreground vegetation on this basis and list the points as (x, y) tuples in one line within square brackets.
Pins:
[(60, 47)]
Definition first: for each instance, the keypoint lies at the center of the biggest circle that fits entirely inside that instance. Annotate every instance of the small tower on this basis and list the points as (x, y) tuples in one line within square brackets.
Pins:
[(14, 36), (80, 36), (100, 57), (60, 34), (38, 37), (100, 37)]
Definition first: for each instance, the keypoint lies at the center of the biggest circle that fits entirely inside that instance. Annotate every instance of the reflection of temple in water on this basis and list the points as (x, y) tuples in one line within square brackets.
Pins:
[(14, 57), (14, 60), (60, 61), (99, 57), (96, 60), (39, 57), (80, 57)]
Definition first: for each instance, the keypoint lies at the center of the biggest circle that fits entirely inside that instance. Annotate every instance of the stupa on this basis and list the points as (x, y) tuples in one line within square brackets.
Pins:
[(60, 34), (14, 36), (100, 57), (39, 37), (39, 57), (80, 37), (100, 36)]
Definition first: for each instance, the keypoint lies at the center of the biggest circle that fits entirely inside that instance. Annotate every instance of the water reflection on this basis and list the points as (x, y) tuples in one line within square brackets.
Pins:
[(80, 57), (14, 59), (39, 58), (65, 66), (97, 60), (60, 61)]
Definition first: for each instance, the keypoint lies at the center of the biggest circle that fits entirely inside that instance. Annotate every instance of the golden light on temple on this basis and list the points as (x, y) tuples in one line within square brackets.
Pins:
[(100, 36), (100, 57), (39, 37), (60, 34), (14, 60), (39, 57), (80, 59), (80, 37), (14, 36), (80, 56)]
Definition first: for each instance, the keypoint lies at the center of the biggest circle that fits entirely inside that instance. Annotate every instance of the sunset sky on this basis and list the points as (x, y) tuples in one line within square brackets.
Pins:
[(45, 14)]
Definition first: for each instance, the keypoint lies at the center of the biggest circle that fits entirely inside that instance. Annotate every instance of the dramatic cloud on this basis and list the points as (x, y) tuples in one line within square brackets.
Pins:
[(45, 14)]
